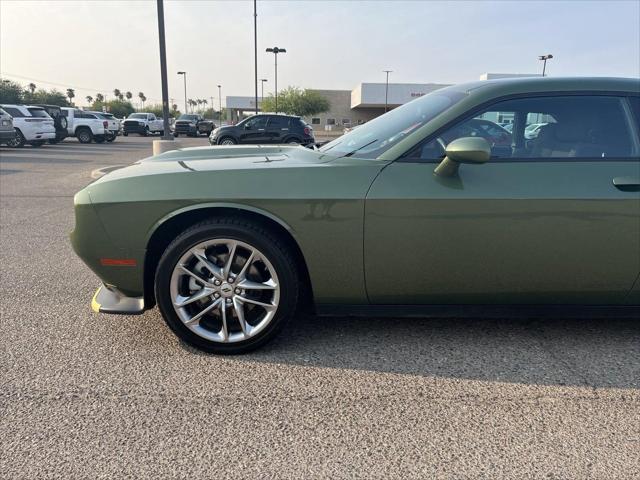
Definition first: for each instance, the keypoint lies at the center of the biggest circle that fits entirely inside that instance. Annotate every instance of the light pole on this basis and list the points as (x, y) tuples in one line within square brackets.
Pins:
[(276, 51), (220, 104), (186, 108), (544, 59), (386, 91), (262, 80), (166, 132), (255, 48)]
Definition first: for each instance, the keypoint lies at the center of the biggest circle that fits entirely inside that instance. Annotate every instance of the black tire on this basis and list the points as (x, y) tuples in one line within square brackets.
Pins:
[(231, 139), (145, 133), (125, 134), (53, 141), (111, 138), (18, 141), (176, 135), (162, 133), (84, 135), (238, 229), (99, 138)]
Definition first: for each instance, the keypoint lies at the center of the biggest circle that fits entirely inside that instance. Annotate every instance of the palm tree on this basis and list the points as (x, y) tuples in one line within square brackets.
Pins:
[(142, 98), (128, 95), (32, 88), (89, 99), (199, 101), (99, 97), (71, 93), (117, 93)]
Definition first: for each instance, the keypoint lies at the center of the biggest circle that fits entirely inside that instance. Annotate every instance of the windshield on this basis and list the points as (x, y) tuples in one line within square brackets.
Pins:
[(188, 117), (373, 138), (138, 115)]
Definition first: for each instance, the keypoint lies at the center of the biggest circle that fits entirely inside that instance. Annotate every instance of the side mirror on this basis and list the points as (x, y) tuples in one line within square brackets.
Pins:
[(247, 127), (463, 150)]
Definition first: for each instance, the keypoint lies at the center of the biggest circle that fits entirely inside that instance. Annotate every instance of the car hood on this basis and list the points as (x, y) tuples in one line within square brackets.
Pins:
[(219, 158)]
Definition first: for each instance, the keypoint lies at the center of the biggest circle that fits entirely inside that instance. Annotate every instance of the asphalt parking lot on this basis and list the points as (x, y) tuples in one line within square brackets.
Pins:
[(99, 396)]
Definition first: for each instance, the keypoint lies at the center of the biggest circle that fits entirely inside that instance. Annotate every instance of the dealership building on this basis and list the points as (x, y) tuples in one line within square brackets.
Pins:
[(354, 107)]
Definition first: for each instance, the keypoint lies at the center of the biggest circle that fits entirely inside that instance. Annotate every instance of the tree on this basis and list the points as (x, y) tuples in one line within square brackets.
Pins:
[(142, 98), (89, 99), (50, 97), (10, 91), (71, 93), (99, 97), (129, 95), (117, 93), (295, 101), (117, 107), (32, 88)]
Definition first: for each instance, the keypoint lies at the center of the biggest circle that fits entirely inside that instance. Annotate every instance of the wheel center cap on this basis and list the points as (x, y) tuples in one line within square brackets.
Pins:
[(226, 290)]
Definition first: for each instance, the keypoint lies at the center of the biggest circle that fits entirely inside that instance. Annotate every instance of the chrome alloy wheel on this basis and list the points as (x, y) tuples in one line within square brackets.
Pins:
[(227, 141), (224, 290)]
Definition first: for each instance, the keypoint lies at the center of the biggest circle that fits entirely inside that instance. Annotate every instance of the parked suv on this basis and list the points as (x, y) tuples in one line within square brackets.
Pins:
[(59, 122), (7, 133), (33, 125), (264, 128), (193, 125)]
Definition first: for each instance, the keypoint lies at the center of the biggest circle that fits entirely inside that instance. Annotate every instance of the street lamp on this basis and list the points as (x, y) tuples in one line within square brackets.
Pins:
[(386, 91), (276, 51), (186, 109), (220, 104), (262, 80), (544, 58), (166, 132)]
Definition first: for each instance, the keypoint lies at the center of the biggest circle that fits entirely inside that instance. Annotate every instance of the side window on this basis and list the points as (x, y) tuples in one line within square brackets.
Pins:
[(64, 113), (557, 127), (152, 117), (635, 106), (278, 123), (256, 123), (14, 112)]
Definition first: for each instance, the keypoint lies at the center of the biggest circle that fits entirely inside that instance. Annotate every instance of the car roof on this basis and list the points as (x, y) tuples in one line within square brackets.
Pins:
[(510, 86)]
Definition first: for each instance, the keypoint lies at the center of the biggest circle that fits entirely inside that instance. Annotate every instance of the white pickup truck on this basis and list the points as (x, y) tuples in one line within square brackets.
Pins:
[(143, 123), (85, 126)]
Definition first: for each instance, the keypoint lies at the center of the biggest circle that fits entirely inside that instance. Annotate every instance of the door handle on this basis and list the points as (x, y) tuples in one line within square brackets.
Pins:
[(627, 184)]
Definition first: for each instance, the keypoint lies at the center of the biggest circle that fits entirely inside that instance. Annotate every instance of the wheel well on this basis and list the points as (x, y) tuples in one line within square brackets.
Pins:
[(173, 227), (82, 127)]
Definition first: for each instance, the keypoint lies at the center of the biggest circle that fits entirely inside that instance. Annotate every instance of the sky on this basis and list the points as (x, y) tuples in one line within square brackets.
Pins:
[(96, 46)]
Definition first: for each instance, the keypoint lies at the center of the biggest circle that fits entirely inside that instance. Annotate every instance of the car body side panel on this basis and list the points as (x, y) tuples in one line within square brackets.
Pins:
[(323, 210), (502, 233)]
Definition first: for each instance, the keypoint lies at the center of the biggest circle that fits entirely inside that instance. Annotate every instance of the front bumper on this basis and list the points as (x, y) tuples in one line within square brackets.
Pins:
[(131, 128), (185, 129), (109, 299)]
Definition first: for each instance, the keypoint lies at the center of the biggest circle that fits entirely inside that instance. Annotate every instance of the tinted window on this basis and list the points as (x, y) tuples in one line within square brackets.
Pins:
[(635, 106), (38, 112), (255, 123), (64, 113), (277, 123), (547, 127), (138, 115), (14, 112), (188, 117)]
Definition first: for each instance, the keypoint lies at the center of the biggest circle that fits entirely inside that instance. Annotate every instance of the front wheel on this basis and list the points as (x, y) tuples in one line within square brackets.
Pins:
[(145, 132), (226, 286), (227, 141), (84, 135), (176, 134), (125, 134)]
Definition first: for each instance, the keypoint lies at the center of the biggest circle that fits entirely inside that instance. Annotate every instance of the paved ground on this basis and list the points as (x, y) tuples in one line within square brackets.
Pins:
[(95, 396)]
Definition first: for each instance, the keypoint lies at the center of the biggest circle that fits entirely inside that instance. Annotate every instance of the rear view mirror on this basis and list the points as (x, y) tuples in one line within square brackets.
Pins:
[(463, 150)]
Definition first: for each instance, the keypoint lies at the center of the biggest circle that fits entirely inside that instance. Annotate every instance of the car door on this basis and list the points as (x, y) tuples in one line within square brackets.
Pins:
[(277, 128), (254, 130), (555, 220)]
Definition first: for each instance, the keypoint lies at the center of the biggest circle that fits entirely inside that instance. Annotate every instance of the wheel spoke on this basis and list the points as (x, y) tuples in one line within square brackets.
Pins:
[(224, 331), (266, 306), (227, 267), (249, 285), (194, 275), (192, 321), (246, 265), (214, 269), (182, 301), (239, 308)]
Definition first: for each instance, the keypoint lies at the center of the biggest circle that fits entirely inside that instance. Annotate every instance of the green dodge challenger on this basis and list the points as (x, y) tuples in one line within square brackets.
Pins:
[(426, 209)]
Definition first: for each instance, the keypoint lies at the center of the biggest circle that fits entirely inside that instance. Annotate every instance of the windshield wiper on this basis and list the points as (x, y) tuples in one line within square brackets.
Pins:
[(360, 148)]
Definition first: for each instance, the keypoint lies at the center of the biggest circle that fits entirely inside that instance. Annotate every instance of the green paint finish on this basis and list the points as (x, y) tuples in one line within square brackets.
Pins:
[(388, 231)]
